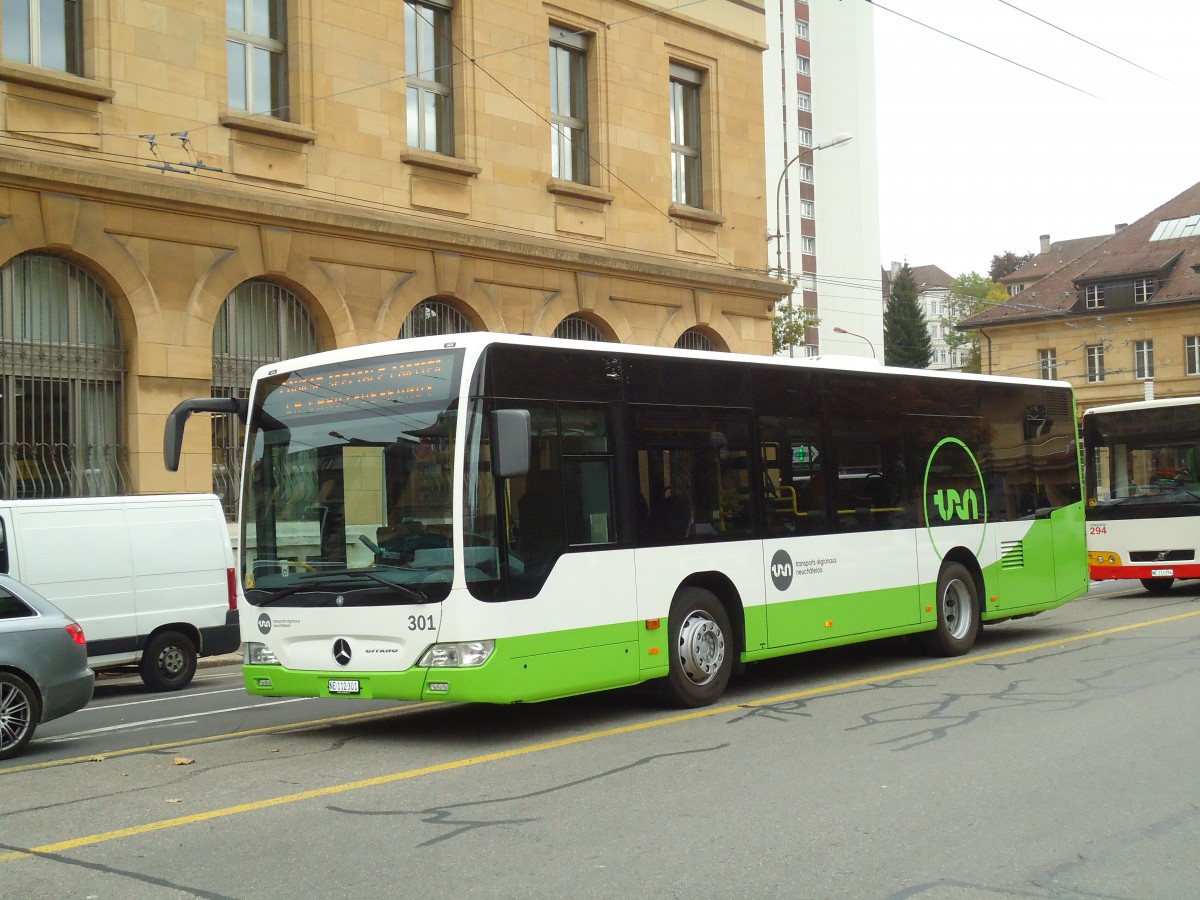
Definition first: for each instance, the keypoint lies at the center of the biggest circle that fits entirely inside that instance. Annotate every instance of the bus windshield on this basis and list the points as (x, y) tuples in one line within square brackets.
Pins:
[(348, 492), (1142, 458)]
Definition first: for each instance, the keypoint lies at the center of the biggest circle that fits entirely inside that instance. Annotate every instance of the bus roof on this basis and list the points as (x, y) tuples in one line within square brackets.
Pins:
[(1136, 405), (477, 340)]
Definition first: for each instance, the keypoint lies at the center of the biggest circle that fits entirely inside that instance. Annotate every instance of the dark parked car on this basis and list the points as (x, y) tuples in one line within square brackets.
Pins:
[(43, 665)]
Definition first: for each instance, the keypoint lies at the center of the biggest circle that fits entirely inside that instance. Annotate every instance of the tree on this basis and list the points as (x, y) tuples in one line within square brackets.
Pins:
[(969, 293), (906, 340), (1006, 263), (790, 322)]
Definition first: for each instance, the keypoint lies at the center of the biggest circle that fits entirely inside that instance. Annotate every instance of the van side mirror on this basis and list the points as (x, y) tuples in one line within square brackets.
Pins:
[(177, 418), (510, 442)]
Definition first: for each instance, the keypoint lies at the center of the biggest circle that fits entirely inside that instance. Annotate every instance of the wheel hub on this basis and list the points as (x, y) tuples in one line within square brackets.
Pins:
[(701, 648)]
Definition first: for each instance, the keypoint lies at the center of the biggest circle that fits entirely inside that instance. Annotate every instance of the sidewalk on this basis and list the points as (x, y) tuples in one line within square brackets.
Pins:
[(228, 659)]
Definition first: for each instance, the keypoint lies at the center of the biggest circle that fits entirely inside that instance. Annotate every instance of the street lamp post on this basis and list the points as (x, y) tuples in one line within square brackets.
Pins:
[(837, 140), (837, 329), (842, 137)]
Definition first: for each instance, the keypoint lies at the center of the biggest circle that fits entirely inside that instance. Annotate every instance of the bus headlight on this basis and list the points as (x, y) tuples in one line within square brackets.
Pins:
[(260, 655), (460, 655)]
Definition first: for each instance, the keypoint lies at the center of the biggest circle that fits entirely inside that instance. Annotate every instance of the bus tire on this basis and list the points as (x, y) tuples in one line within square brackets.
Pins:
[(1157, 585), (20, 712), (168, 662), (701, 648), (957, 613)]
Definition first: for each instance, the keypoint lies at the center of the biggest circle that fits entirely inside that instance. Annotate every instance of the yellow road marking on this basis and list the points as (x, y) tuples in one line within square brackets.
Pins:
[(135, 830)]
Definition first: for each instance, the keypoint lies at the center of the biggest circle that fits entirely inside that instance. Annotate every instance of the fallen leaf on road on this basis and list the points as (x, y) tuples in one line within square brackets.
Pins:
[(183, 761)]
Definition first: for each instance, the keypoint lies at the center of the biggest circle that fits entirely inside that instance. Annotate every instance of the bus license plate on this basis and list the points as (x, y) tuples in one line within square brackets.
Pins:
[(347, 686), (1162, 573)]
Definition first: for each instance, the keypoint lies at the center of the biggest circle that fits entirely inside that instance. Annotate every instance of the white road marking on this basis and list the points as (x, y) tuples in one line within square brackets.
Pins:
[(177, 720)]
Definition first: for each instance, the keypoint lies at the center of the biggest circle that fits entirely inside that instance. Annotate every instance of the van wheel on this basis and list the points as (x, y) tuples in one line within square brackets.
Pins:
[(168, 662), (701, 647), (19, 714), (957, 613)]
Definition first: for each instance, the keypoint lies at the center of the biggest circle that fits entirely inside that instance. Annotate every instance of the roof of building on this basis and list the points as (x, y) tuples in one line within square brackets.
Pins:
[(931, 278), (1129, 253), (1059, 254)]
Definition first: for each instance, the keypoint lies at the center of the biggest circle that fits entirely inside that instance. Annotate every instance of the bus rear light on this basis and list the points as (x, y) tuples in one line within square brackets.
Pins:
[(458, 655)]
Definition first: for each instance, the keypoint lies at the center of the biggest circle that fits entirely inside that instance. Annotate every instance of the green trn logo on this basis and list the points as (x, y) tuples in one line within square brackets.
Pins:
[(953, 505)]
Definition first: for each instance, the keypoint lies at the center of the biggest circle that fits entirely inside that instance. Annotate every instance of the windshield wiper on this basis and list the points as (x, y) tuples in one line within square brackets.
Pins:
[(331, 580)]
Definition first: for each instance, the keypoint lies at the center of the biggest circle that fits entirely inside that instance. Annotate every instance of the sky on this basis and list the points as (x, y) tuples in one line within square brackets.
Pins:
[(978, 155)]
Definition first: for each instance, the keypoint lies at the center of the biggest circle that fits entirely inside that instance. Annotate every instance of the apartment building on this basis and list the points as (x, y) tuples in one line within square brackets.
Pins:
[(191, 189), (821, 171)]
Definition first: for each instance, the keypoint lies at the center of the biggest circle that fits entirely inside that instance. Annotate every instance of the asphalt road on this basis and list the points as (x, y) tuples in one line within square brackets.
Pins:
[(1056, 760)]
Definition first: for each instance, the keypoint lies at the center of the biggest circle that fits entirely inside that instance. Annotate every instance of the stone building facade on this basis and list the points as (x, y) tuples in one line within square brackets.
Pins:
[(189, 189)]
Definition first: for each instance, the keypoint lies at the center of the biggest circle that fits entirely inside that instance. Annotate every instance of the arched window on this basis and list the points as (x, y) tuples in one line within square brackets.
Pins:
[(695, 339), (62, 383), (576, 327), (433, 317), (259, 323)]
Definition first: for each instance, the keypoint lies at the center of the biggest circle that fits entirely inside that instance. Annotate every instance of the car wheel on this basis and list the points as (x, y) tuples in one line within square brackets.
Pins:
[(168, 662), (19, 714)]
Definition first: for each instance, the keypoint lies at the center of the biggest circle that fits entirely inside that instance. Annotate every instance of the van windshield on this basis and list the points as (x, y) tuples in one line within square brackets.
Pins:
[(349, 474)]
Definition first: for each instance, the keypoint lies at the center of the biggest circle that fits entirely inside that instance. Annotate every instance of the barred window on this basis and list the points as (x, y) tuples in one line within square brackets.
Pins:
[(695, 339), (260, 322), (576, 327), (62, 383), (433, 317)]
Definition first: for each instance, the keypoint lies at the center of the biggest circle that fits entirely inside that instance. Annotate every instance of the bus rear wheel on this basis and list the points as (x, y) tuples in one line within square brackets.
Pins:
[(1157, 585), (957, 613), (701, 648)]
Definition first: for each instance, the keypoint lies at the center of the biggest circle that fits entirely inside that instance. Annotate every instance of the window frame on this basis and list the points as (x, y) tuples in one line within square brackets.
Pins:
[(250, 41), (1143, 360), (1191, 354), (1144, 289), (803, 65), (1048, 364), (420, 91), (687, 133), (569, 132), (33, 51), (1094, 296), (1095, 363)]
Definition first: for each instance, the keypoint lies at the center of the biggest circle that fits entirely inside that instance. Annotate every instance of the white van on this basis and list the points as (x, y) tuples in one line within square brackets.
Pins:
[(150, 578)]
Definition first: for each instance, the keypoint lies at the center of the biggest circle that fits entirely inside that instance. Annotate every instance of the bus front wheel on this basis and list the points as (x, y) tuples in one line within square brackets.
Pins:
[(957, 613), (1157, 585), (701, 648)]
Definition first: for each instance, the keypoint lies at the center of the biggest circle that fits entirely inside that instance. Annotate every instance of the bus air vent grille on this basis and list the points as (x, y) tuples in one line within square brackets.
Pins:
[(1012, 555)]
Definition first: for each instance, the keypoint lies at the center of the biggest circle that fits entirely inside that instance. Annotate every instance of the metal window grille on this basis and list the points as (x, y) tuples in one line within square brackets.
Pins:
[(694, 339), (62, 383), (259, 323), (433, 317), (577, 328)]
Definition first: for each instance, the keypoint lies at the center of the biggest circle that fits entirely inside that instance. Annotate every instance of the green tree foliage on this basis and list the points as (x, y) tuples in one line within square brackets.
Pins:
[(1006, 263), (969, 293), (906, 340), (791, 320)]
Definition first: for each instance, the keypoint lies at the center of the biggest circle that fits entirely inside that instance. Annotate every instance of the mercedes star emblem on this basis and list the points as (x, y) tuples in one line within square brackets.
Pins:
[(341, 652)]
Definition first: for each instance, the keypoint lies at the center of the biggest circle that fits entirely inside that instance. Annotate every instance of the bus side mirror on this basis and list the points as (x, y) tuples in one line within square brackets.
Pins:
[(177, 418), (510, 442)]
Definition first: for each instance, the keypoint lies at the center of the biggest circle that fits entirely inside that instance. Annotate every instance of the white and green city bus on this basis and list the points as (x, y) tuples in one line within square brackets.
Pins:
[(484, 517)]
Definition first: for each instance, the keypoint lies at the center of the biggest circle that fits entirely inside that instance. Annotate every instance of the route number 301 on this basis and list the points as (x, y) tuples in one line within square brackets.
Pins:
[(1097, 529), (421, 623)]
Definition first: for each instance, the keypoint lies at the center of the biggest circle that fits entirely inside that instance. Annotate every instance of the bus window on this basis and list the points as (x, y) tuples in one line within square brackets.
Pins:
[(866, 444), (793, 475), (693, 473)]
